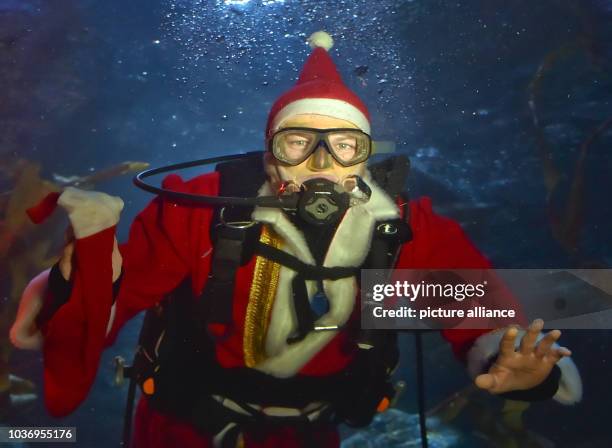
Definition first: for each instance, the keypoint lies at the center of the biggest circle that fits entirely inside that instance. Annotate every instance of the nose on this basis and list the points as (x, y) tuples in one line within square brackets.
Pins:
[(321, 159)]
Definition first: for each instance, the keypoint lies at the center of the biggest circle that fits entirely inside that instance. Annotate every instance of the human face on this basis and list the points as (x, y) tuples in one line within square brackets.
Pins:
[(320, 163)]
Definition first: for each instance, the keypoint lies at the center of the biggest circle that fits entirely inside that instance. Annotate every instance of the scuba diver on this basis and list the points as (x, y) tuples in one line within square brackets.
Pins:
[(250, 278)]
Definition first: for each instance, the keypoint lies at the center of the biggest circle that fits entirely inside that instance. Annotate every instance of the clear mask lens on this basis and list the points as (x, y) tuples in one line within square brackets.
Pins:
[(347, 146)]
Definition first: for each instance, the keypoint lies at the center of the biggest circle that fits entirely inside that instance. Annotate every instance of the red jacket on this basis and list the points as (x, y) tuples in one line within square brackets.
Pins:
[(169, 242)]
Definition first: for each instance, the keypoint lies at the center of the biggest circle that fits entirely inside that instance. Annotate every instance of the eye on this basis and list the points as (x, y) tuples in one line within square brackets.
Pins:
[(297, 140), (345, 146)]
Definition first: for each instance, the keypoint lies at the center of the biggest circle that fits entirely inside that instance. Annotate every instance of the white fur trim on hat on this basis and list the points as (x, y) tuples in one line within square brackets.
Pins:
[(487, 346), (321, 39), (322, 106)]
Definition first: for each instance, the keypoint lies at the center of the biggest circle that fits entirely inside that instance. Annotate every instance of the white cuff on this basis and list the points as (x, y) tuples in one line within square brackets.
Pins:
[(90, 212), (487, 346)]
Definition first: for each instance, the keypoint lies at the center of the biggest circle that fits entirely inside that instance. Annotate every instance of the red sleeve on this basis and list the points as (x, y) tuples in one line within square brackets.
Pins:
[(156, 258), (74, 336), (440, 243)]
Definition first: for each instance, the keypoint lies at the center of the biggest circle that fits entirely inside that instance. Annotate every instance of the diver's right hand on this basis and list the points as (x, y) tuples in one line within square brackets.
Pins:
[(90, 211)]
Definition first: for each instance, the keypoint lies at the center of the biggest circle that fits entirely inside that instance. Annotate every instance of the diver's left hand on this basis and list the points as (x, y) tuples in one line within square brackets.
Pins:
[(526, 367)]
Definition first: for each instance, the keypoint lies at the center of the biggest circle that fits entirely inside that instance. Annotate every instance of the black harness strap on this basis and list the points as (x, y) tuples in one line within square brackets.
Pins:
[(307, 271), (303, 311), (233, 247)]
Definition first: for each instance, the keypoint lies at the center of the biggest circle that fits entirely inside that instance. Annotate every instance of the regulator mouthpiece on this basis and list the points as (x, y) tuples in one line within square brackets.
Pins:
[(323, 202)]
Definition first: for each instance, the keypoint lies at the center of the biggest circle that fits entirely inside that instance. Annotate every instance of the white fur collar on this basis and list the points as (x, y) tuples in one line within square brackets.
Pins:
[(349, 247)]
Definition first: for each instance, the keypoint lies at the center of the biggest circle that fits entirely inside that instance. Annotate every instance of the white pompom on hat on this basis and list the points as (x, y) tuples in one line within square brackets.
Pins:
[(319, 90), (321, 39)]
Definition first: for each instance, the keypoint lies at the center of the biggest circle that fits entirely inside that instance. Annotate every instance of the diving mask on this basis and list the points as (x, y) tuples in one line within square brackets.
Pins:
[(294, 145)]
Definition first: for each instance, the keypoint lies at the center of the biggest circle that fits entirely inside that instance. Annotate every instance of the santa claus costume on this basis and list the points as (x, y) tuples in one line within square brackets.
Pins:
[(247, 382)]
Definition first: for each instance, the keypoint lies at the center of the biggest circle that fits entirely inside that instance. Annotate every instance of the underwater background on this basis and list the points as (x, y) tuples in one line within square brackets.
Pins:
[(504, 108)]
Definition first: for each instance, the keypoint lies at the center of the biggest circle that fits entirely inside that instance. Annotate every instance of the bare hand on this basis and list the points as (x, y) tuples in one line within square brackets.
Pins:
[(526, 367)]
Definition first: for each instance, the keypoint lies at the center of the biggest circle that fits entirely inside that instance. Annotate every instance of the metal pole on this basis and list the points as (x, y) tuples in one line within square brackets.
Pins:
[(421, 387)]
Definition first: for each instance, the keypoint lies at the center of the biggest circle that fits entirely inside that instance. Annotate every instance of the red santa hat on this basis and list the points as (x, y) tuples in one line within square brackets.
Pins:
[(319, 90)]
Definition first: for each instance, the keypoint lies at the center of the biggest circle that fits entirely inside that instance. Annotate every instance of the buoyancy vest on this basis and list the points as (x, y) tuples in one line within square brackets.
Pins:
[(176, 366)]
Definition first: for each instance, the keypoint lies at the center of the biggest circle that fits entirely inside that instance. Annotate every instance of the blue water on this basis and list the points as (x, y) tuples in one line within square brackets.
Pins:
[(88, 84)]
